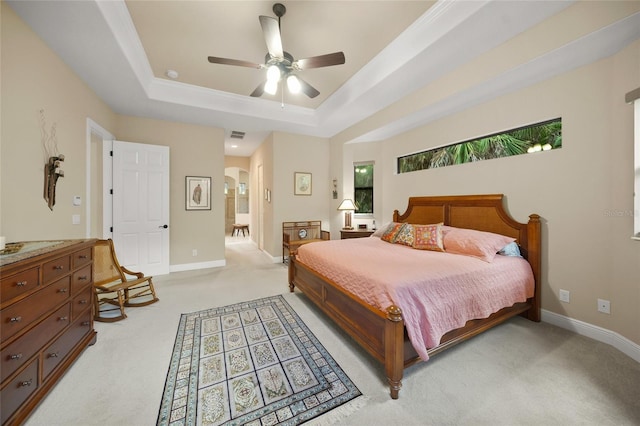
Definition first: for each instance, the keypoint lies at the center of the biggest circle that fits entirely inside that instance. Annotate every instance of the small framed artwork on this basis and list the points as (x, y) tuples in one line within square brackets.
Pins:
[(301, 183), (198, 193)]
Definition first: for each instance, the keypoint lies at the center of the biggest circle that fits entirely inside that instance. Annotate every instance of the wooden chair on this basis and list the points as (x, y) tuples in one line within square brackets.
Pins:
[(113, 287), (295, 234)]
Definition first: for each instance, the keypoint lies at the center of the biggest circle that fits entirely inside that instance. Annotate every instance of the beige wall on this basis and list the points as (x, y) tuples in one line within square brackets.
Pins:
[(279, 157), (243, 163), (297, 153), (34, 79), (586, 249), (40, 80), (261, 211)]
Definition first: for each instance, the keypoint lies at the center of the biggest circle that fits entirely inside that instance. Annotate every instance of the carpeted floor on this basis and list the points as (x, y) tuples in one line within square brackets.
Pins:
[(253, 363), (520, 373)]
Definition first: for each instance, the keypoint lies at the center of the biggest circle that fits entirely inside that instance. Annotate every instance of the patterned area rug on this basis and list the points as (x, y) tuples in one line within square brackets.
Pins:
[(253, 363)]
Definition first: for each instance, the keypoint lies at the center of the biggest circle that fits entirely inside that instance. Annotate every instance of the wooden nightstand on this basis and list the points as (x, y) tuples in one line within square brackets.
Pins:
[(354, 233)]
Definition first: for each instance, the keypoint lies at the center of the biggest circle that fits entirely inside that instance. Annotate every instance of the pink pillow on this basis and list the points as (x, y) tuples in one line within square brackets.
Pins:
[(479, 244), (428, 237)]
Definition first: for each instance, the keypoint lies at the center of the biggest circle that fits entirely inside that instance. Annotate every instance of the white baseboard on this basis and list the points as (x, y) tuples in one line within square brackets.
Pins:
[(600, 334), (198, 265)]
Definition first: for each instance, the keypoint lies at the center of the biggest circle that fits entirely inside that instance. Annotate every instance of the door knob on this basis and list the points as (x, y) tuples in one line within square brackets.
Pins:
[(163, 226)]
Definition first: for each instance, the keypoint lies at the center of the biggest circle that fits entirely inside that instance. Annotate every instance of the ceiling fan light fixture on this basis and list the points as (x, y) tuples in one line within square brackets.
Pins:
[(273, 73), (271, 87), (293, 84)]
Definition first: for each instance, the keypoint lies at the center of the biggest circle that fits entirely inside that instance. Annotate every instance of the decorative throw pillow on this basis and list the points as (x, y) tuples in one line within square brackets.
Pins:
[(378, 232), (405, 235), (428, 237), (392, 230), (479, 244)]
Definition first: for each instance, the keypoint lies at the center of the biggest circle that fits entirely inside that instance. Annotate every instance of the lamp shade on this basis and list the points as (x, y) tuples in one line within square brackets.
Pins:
[(347, 204)]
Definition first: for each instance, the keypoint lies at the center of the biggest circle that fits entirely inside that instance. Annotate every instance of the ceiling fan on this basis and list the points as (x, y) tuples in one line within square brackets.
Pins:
[(281, 65)]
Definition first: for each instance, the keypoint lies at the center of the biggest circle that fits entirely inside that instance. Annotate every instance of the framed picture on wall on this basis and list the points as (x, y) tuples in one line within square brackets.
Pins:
[(301, 183), (198, 193)]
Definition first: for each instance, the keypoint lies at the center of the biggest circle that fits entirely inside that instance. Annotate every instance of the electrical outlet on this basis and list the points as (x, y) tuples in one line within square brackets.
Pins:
[(604, 306), (194, 252), (565, 296)]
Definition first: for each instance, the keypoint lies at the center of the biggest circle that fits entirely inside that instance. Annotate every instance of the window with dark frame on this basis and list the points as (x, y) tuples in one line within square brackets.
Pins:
[(363, 187), (543, 136)]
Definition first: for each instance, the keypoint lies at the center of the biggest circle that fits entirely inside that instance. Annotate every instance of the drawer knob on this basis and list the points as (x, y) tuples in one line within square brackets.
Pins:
[(15, 319), (62, 290), (26, 382), (21, 283), (85, 323), (53, 355), (62, 319), (82, 256), (58, 267), (83, 277), (15, 356), (82, 302)]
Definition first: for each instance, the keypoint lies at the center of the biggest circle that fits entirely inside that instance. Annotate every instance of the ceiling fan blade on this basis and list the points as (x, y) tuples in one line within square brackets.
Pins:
[(259, 90), (327, 60), (237, 62), (271, 31), (308, 89)]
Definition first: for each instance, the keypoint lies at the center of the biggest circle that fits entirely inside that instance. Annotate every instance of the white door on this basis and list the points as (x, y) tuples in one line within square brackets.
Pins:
[(141, 206)]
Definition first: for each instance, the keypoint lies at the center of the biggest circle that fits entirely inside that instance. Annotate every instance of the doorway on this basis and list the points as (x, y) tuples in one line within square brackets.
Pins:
[(237, 189)]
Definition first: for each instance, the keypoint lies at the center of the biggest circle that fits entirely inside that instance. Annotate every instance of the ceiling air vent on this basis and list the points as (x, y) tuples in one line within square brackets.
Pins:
[(237, 135)]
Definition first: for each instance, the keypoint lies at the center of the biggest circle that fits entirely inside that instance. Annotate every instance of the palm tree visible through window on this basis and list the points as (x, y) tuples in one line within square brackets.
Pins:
[(537, 137), (363, 188)]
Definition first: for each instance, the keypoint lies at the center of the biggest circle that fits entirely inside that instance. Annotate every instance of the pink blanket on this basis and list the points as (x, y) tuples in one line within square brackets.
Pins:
[(437, 292)]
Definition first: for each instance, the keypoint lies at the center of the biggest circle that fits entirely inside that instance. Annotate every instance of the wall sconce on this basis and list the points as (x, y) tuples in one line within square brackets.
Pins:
[(53, 166), (347, 205), (52, 171)]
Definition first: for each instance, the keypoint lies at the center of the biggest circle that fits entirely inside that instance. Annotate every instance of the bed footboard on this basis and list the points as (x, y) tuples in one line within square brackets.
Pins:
[(381, 334)]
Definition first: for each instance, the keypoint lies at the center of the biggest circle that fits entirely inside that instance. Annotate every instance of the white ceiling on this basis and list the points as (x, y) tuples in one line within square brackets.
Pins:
[(122, 50)]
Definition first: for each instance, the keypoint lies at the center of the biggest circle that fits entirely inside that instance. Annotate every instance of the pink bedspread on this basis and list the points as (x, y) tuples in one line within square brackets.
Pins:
[(437, 292)]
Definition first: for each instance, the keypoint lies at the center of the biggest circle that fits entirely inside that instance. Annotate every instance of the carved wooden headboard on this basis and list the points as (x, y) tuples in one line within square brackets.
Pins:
[(481, 212)]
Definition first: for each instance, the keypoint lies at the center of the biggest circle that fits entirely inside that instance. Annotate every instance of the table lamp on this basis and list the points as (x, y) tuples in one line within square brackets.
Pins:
[(347, 205)]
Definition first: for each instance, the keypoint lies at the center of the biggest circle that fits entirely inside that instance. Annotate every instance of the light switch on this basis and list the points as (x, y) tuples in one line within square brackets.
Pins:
[(77, 200), (75, 219)]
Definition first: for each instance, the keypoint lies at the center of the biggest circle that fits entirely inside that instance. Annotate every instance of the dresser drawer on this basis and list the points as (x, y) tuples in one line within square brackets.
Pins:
[(19, 352), (81, 257), (18, 284), (55, 353), (24, 313), (80, 279), (82, 301), (16, 391), (55, 269)]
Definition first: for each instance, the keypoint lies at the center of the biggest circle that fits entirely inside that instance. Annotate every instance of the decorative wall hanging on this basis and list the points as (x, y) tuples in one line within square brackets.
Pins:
[(198, 193), (301, 183), (335, 188), (53, 161)]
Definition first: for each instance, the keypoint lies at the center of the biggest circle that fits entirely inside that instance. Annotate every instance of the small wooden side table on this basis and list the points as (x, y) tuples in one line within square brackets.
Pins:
[(354, 233)]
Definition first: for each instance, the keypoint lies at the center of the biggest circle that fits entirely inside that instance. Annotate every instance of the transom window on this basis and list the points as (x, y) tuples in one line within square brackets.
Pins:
[(543, 136)]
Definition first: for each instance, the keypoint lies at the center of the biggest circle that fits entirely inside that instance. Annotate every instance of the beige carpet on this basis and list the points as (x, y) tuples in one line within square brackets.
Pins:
[(520, 373)]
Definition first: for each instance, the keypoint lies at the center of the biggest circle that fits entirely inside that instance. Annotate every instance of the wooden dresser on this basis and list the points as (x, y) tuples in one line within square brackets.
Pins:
[(46, 319)]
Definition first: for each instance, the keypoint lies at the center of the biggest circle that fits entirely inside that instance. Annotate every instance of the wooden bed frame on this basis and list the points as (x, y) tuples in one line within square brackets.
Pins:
[(382, 333)]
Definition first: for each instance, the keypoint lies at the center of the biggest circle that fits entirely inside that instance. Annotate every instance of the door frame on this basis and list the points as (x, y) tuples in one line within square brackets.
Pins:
[(94, 128)]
